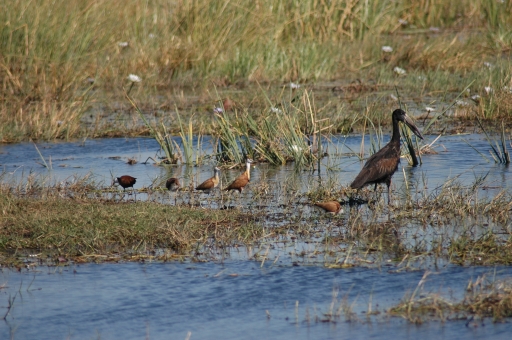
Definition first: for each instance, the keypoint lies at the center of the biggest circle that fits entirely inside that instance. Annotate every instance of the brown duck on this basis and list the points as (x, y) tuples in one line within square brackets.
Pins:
[(211, 183), (241, 181), (330, 207)]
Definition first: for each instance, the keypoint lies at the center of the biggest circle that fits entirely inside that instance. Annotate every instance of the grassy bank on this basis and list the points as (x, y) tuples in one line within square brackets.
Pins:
[(85, 229), (62, 62), (84, 222)]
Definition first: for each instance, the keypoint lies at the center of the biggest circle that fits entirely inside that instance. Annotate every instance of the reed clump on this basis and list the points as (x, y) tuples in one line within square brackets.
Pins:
[(484, 298)]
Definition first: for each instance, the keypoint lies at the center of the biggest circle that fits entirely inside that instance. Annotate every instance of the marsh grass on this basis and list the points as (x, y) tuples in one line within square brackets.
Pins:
[(484, 298), (160, 133), (280, 135), (60, 62), (79, 217), (499, 149), (79, 226)]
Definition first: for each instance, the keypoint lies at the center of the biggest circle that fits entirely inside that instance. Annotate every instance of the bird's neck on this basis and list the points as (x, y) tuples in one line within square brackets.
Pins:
[(396, 131), (248, 170)]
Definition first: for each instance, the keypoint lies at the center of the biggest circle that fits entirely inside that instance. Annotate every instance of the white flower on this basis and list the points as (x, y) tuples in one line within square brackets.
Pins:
[(134, 78), (400, 71), (393, 97), (276, 110), (487, 64), (218, 110), (422, 78), (488, 89), (461, 103), (294, 85), (475, 97), (403, 22), (296, 148), (152, 36), (122, 44), (429, 109), (387, 49), (507, 89)]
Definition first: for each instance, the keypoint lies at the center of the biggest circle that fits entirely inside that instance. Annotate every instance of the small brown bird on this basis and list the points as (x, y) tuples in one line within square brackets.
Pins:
[(381, 166), (210, 183), (125, 181), (228, 104), (241, 181), (330, 207), (172, 184)]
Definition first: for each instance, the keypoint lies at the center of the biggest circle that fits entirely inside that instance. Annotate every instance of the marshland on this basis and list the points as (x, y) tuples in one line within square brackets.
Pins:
[(93, 90)]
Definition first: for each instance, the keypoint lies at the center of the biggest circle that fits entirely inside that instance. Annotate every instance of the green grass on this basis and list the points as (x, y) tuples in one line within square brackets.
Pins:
[(82, 227)]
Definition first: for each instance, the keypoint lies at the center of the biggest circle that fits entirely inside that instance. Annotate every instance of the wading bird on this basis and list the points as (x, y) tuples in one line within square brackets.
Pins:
[(210, 183), (126, 182), (241, 181), (172, 184), (381, 166), (330, 207)]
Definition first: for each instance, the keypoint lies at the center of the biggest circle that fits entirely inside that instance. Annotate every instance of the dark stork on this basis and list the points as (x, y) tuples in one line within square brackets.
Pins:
[(381, 166)]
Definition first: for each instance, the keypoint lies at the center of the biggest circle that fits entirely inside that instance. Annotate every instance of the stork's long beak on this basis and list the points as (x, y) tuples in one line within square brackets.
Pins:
[(413, 127)]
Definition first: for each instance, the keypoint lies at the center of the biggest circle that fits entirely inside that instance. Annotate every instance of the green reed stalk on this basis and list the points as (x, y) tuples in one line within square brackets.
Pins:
[(187, 140)]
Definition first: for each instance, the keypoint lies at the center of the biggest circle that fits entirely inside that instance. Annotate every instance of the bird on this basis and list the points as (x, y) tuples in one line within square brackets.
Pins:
[(381, 166), (172, 184), (228, 104), (330, 207), (241, 181), (210, 183), (125, 181)]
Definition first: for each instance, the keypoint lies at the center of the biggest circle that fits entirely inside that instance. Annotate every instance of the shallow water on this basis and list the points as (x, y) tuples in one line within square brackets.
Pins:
[(107, 158), (226, 300), (229, 299)]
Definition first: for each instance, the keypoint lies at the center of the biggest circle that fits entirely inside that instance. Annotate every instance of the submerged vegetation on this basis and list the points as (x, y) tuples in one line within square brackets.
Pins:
[(65, 68)]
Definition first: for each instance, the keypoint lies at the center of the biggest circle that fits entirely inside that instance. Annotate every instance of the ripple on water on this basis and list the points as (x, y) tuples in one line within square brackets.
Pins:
[(166, 300)]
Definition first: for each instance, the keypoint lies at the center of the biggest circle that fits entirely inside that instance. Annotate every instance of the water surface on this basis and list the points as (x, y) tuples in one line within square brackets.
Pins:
[(235, 296)]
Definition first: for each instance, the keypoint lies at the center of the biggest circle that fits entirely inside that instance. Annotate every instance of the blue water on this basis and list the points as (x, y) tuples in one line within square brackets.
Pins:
[(229, 300), (224, 300), (105, 159)]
